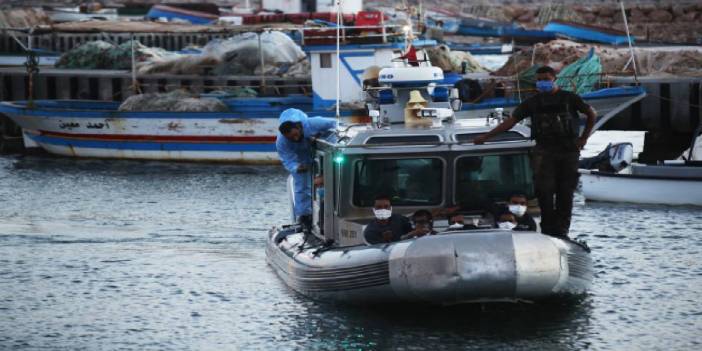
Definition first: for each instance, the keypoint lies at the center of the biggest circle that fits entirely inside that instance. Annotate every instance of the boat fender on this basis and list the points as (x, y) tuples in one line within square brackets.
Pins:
[(468, 89)]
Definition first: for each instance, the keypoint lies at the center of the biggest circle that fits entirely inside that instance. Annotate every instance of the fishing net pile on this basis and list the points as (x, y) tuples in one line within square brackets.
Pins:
[(238, 55), (615, 61), (175, 101), (453, 61), (103, 55), (582, 75), (234, 92)]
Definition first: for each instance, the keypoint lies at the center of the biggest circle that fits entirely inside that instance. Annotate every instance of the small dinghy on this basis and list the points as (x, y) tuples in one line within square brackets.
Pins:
[(423, 158), (611, 176)]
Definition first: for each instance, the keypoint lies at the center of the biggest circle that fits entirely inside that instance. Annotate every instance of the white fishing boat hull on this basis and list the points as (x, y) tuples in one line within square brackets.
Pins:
[(448, 268), (98, 130), (214, 137), (617, 187)]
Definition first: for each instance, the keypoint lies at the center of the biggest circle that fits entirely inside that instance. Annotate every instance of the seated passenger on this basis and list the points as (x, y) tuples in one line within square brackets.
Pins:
[(457, 222), (386, 227), (518, 205), (423, 225), (506, 220)]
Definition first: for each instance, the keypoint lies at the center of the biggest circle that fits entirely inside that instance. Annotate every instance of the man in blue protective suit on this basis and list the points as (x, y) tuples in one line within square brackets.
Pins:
[(296, 134)]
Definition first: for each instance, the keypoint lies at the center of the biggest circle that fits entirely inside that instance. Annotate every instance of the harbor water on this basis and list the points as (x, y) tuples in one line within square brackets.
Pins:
[(123, 255)]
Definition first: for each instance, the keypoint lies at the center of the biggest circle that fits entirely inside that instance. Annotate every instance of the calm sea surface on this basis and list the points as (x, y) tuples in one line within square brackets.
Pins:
[(107, 255)]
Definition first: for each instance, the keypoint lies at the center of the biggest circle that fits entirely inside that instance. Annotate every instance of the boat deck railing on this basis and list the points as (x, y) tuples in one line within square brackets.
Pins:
[(17, 39), (117, 85), (351, 34), (437, 143)]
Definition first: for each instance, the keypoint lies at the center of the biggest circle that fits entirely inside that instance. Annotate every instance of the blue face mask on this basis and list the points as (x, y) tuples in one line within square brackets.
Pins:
[(544, 86)]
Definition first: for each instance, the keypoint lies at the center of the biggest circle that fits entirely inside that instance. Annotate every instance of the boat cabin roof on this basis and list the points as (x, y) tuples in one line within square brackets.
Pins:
[(457, 135)]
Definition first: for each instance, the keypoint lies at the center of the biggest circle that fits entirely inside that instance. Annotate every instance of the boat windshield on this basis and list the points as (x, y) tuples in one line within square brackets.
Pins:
[(483, 180), (407, 181)]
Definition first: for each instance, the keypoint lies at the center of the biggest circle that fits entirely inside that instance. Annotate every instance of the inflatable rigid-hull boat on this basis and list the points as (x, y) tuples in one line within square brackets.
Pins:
[(450, 268)]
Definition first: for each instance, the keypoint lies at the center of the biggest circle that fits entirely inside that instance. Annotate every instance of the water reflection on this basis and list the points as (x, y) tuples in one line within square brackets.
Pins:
[(561, 323)]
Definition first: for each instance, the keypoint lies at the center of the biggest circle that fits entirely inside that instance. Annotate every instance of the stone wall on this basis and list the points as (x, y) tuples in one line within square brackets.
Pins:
[(679, 23), (661, 21)]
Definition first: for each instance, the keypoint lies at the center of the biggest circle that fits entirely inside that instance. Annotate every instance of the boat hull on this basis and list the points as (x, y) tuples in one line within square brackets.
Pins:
[(606, 102), (610, 187), (155, 136), (244, 135), (199, 150), (461, 267), (98, 130)]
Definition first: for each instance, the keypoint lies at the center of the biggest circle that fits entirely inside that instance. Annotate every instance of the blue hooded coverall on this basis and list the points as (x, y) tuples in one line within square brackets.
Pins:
[(292, 154)]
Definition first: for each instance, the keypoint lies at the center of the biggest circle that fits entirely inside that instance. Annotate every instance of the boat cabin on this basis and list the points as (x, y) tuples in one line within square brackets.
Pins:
[(357, 52), (421, 156)]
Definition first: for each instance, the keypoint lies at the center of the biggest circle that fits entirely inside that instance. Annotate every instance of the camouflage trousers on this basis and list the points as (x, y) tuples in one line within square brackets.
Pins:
[(555, 179)]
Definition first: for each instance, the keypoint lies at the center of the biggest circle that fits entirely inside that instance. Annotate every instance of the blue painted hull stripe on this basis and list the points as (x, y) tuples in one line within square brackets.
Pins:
[(148, 146)]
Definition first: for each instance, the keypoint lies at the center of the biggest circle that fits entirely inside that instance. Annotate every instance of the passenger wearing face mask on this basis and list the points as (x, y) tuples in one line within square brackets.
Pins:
[(555, 124), (387, 226), (507, 221), (423, 225), (457, 222), (517, 205)]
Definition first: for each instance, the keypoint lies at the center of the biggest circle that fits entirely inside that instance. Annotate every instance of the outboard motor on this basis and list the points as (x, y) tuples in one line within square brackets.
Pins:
[(620, 156), (613, 158)]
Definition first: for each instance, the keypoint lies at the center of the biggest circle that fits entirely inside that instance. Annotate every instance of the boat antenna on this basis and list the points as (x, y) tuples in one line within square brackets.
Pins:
[(516, 72), (135, 83), (31, 62), (695, 134), (632, 60), (338, 60)]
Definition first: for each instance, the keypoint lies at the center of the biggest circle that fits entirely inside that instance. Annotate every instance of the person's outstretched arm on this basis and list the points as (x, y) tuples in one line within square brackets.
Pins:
[(322, 123)]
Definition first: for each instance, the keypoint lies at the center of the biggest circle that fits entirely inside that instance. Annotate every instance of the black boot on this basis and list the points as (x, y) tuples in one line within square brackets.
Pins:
[(306, 222)]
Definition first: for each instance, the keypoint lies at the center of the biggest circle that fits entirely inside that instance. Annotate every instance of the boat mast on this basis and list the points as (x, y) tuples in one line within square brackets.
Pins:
[(632, 60), (338, 60)]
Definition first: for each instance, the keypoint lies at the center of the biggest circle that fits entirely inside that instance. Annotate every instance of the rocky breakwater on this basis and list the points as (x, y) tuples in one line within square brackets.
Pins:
[(654, 61), (675, 22)]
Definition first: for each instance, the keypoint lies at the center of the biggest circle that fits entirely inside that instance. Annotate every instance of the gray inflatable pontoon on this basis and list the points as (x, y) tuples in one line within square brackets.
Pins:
[(456, 267)]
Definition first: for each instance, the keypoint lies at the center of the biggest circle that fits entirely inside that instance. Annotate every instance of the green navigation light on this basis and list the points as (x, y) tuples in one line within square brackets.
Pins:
[(339, 159)]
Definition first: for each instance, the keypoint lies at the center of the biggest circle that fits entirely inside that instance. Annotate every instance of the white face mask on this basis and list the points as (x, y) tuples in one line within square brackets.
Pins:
[(506, 225), (456, 226), (382, 214), (518, 210)]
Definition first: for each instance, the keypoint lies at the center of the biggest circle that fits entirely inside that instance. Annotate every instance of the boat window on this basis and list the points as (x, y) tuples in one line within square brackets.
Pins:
[(483, 180), (318, 171), (325, 61), (504, 136), (413, 139), (409, 182)]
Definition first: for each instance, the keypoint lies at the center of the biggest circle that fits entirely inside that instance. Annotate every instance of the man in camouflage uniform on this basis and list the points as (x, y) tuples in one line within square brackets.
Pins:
[(554, 123)]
